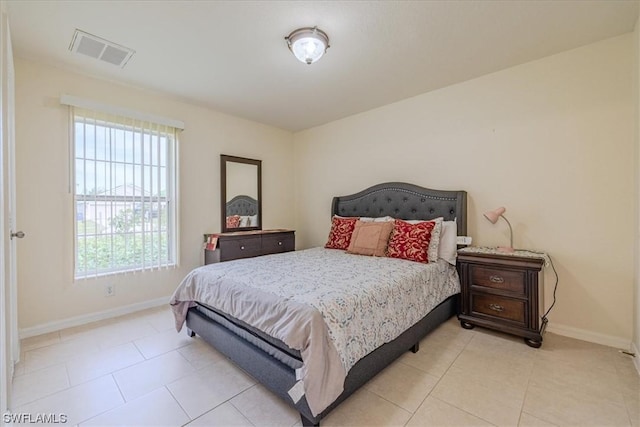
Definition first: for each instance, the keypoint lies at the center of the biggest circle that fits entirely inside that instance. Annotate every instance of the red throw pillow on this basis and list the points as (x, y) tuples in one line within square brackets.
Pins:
[(410, 241), (340, 234), (233, 221)]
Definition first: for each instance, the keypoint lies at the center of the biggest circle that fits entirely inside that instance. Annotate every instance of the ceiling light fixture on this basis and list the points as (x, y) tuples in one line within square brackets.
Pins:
[(308, 44)]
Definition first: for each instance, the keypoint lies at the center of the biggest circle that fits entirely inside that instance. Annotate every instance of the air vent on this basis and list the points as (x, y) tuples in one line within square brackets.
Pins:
[(99, 48)]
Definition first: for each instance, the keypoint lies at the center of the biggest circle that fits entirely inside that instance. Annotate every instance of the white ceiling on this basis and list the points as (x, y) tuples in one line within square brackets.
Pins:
[(231, 55)]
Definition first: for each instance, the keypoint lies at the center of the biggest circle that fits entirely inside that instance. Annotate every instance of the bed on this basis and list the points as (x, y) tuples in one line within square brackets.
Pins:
[(265, 355)]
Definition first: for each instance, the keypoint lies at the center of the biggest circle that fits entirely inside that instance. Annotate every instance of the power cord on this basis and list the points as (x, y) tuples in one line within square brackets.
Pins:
[(555, 287)]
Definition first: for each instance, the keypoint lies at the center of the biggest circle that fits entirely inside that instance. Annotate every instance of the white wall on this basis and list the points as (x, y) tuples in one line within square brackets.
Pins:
[(552, 140), (47, 291)]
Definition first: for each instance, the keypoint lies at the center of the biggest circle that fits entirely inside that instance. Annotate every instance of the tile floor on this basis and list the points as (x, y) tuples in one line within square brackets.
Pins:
[(136, 370)]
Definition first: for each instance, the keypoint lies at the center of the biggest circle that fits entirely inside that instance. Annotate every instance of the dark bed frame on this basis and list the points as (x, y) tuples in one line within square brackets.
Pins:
[(242, 205), (399, 200)]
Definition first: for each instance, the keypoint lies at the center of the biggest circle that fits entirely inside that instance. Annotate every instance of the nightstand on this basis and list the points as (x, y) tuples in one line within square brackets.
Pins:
[(503, 291)]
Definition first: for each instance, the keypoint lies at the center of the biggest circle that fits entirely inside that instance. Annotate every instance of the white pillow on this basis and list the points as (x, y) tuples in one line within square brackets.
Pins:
[(448, 248), (378, 219), (244, 221), (252, 221)]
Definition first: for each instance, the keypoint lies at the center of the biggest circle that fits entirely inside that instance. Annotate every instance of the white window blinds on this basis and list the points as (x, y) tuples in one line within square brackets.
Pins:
[(124, 193)]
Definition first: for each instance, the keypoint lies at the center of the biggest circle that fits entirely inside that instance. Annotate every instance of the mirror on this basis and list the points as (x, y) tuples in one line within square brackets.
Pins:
[(241, 193)]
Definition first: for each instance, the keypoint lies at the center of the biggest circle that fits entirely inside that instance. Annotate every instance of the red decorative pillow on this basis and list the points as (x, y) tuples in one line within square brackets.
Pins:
[(233, 221), (340, 234), (410, 241)]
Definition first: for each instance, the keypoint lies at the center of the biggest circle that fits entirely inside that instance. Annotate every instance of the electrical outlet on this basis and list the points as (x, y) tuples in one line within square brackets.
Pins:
[(464, 240), (109, 290)]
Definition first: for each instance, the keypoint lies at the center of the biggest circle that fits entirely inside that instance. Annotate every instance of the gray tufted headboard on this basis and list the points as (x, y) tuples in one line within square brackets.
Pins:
[(405, 201), (242, 205)]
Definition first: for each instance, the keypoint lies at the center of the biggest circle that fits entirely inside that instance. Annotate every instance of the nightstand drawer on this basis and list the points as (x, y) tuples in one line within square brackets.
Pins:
[(502, 291), (239, 248), (512, 281), (496, 306), (277, 243)]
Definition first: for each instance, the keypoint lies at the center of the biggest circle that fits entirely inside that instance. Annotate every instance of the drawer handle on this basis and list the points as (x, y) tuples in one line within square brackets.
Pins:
[(496, 307), (242, 248), (279, 243), (496, 279)]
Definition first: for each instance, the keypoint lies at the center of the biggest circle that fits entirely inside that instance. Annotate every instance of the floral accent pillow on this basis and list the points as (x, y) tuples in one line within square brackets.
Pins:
[(233, 221), (340, 234), (434, 242), (410, 241)]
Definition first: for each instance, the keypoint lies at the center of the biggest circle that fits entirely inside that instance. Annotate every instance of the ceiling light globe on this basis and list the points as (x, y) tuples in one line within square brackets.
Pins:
[(308, 50), (308, 45)]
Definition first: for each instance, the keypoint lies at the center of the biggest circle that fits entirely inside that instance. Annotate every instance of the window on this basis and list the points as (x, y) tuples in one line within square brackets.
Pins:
[(124, 194)]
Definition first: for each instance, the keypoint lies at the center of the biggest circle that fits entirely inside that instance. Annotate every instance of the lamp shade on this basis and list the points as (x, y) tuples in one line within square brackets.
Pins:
[(308, 44), (494, 215)]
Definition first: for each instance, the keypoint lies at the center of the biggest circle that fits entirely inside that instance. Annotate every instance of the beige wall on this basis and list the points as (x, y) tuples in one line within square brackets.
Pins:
[(47, 291), (552, 140), (241, 180)]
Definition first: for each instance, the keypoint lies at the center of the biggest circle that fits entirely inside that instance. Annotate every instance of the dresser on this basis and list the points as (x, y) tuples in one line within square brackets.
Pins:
[(247, 244), (503, 292)]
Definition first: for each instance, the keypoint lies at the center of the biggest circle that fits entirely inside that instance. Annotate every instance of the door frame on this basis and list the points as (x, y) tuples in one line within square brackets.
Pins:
[(4, 317), (9, 338)]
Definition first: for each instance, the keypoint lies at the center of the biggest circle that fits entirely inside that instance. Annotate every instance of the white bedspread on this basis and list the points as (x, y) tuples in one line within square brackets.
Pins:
[(334, 307)]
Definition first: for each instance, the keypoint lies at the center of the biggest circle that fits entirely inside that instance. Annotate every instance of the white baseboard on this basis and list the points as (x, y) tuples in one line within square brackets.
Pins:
[(91, 317), (594, 337)]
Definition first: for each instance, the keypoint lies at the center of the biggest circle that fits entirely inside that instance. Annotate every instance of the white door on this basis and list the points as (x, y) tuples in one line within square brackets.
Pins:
[(9, 341), (14, 234), (5, 320)]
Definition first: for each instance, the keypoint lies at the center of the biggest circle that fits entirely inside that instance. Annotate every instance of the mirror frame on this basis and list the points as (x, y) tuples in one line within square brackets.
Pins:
[(224, 159)]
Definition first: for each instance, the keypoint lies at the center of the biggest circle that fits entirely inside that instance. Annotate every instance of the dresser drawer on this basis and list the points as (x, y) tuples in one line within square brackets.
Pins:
[(276, 243), (248, 244), (500, 307), (496, 278), (239, 248)]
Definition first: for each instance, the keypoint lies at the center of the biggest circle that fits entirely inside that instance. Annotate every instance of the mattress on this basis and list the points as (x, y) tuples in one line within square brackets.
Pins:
[(272, 346)]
